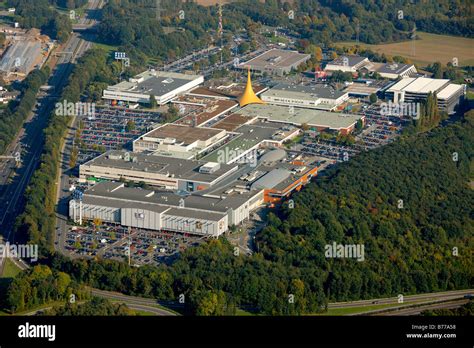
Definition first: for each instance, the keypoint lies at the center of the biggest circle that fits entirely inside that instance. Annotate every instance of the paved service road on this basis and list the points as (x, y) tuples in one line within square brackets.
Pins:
[(446, 295), (417, 310), (139, 303)]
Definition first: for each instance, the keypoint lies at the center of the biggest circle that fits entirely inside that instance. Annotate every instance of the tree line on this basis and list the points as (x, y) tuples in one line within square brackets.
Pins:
[(37, 222), (42, 15), (41, 285), (96, 306), (15, 114)]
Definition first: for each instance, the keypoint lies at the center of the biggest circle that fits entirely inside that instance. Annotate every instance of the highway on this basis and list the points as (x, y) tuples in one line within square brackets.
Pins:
[(92, 16), (418, 309), (30, 138), (445, 295), (11, 195), (139, 303)]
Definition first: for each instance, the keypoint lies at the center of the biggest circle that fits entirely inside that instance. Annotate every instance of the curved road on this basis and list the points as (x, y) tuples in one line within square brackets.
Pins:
[(139, 303)]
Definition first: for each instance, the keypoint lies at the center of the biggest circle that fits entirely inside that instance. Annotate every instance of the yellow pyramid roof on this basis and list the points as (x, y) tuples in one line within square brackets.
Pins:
[(249, 96)]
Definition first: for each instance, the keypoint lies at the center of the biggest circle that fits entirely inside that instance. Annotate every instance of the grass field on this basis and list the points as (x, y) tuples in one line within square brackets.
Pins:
[(10, 270), (429, 48), (107, 48)]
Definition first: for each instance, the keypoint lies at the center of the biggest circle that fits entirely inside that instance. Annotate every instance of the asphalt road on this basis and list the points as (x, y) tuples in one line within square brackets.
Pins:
[(62, 212), (11, 193), (133, 302), (418, 310), (11, 198), (446, 295), (92, 15)]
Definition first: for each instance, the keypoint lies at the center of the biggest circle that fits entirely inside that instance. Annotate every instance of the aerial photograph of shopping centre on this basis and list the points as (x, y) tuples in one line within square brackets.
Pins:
[(236, 158)]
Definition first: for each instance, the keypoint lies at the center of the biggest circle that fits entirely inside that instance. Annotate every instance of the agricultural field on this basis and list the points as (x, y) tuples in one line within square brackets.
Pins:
[(429, 48)]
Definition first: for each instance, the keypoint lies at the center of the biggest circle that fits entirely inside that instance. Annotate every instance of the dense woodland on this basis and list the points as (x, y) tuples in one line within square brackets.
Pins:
[(464, 310), (41, 285), (132, 24), (42, 14), (94, 306)]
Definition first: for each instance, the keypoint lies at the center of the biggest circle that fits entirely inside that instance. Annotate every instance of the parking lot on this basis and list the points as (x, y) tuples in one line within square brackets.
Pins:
[(111, 128), (110, 241), (330, 150), (379, 130)]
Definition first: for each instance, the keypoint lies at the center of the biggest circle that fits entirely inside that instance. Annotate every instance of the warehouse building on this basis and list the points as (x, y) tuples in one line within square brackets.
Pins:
[(164, 211), (413, 90), (164, 86), (347, 64), (315, 97), (276, 62), (164, 172), (179, 141), (342, 123), (282, 176), (249, 137), (21, 58), (393, 71), (278, 174)]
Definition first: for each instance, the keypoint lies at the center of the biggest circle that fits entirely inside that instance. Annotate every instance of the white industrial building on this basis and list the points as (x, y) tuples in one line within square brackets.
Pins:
[(179, 141), (164, 86), (314, 97), (275, 62), (412, 90), (164, 211), (347, 64), (393, 71)]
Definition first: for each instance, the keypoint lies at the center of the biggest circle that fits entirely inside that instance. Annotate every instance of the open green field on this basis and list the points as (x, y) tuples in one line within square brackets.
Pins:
[(429, 48), (10, 270), (107, 48)]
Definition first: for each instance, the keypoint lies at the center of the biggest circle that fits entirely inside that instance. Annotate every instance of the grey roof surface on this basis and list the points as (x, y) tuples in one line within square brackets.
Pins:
[(159, 85), (276, 58), (195, 214), (298, 116), (26, 51), (153, 83), (183, 134), (352, 60), (273, 156), (271, 179), (250, 135), (181, 168), (103, 193), (394, 68), (119, 204), (303, 92)]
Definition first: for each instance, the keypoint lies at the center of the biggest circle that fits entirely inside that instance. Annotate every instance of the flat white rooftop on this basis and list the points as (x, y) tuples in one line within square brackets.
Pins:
[(155, 83), (298, 116), (449, 91), (419, 85)]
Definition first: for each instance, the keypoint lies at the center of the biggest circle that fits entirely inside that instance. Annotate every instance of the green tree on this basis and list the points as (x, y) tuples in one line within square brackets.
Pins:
[(373, 98), (153, 103)]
